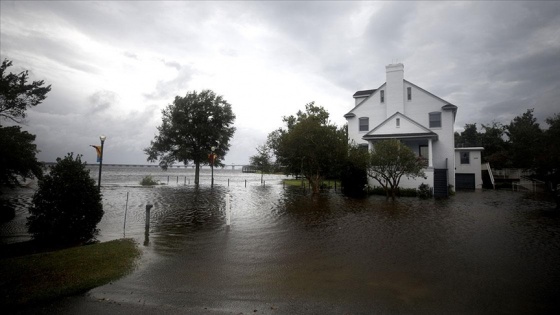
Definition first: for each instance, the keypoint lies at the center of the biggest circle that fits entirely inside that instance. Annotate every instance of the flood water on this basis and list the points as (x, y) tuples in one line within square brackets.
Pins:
[(289, 252)]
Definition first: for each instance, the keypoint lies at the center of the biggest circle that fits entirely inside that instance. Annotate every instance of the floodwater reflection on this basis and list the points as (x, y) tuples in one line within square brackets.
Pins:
[(477, 252)]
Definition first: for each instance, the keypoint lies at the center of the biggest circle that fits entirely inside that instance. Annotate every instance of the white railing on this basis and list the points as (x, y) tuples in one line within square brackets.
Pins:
[(489, 169), (510, 173), (528, 184)]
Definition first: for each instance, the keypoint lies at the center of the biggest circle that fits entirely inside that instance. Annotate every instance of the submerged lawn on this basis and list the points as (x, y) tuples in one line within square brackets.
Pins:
[(297, 182), (46, 276)]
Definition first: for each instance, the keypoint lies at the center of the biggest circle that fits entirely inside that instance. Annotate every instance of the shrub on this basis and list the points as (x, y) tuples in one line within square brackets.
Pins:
[(424, 191), (67, 206), (353, 180), (148, 181), (375, 190), (407, 192), (451, 190)]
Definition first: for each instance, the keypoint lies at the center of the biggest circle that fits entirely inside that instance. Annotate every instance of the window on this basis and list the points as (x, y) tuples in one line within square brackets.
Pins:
[(435, 120), (363, 146), (409, 93), (364, 124), (398, 120), (465, 158), (382, 95)]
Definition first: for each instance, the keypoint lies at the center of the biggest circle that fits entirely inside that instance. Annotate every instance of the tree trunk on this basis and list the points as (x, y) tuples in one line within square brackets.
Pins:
[(314, 183), (196, 172), (315, 186)]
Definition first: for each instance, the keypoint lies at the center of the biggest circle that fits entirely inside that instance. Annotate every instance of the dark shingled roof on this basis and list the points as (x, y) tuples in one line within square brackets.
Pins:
[(364, 93)]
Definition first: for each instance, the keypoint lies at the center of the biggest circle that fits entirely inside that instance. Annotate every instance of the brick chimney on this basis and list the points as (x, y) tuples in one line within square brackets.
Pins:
[(394, 94)]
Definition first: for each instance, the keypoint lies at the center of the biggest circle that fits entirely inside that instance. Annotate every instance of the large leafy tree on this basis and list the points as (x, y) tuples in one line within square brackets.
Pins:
[(67, 206), (390, 160), (495, 147), (547, 163), (17, 156), (262, 160), (17, 151), (190, 127), (524, 136), (310, 145), (468, 137), (17, 95)]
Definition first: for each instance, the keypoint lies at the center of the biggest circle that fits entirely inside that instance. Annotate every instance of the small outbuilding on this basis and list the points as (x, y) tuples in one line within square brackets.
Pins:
[(468, 168)]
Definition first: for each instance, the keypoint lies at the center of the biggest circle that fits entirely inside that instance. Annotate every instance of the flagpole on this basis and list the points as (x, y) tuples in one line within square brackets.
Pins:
[(102, 138)]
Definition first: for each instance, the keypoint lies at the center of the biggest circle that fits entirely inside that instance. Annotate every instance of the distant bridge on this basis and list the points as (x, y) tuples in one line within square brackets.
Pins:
[(245, 168)]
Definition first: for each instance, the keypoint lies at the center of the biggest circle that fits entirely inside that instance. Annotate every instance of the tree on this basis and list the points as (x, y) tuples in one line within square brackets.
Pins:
[(310, 145), (468, 138), (67, 206), (262, 160), (389, 161), (547, 163), (17, 95), (17, 156), (524, 136), (18, 152), (354, 175), (495, 147), (190, 127)]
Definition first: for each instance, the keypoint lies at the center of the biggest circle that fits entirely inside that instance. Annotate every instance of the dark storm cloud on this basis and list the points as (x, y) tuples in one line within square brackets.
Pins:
[(492, 59), (102, 100), (133, 24), (62, 52)]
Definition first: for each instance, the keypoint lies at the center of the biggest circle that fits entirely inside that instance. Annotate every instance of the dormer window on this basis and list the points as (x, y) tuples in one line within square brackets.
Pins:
[(364, 124), (435, 120), (382, 96), (398, 121), (409, 93)]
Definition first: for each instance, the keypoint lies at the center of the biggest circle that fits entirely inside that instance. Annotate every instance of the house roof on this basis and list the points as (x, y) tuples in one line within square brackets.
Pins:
[(350, 114), (418, 131), (369, 93), (363, 93)]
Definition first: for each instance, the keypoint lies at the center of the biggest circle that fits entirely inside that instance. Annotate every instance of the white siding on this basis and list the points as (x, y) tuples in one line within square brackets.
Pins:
[(474, 166), (394, 96), (417, 109)]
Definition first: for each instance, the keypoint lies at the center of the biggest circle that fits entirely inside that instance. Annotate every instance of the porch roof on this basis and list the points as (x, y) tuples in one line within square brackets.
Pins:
[(421, 135)]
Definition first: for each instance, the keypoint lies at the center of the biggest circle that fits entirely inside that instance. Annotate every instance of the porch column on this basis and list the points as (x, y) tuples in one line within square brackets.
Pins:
[(430, 154)]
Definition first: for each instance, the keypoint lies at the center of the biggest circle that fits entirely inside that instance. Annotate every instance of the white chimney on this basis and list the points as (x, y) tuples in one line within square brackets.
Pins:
[(394, 94)]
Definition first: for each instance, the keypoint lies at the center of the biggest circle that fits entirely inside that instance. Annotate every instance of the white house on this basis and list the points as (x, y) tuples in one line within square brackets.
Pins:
[(468, 168), (399, 109)]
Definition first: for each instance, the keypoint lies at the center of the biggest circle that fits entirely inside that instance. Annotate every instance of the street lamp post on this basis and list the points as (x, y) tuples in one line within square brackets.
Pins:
[(102, 138), (212, 157)]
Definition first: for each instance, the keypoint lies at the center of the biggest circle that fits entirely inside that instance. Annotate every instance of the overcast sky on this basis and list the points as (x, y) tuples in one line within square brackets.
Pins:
[(114, 65)]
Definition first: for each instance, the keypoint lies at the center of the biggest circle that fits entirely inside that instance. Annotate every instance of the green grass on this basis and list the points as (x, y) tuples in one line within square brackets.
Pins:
[(294, 182), (46, 276), (297, 182)]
